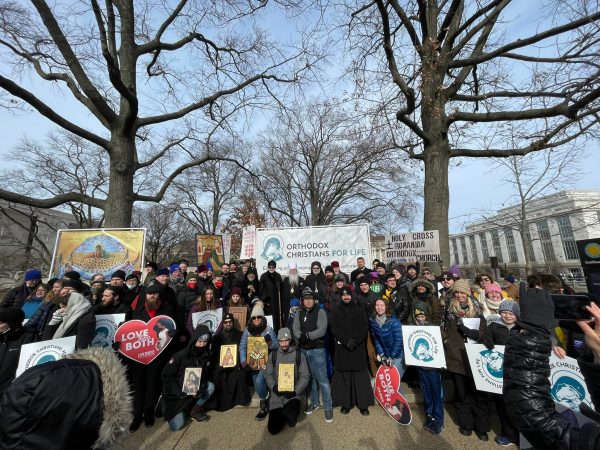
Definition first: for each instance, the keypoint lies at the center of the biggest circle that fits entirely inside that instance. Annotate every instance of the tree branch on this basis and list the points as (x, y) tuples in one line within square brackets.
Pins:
[(51, 202)]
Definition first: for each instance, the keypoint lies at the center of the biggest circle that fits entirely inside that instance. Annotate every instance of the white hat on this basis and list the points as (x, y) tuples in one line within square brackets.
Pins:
[(293, 266)]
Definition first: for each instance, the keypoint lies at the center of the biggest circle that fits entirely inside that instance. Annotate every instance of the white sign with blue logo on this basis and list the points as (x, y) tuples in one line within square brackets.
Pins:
[(46, 351), (423, 346), (106, 325), (568, 385), (487, 367)]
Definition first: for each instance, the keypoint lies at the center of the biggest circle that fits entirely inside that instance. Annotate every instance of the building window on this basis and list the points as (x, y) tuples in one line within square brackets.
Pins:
[(473, 249), (568, 240), (530, 245), (546, 241), (510, 245), (496, 246), (455, 251), (463, 246), (576, 272), (484, 248)]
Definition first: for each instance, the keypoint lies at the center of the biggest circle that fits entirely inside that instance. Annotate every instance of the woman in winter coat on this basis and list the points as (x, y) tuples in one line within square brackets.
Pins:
[(179, 405), (257, 327), (186, 296), (422, 290), (77, 319), (386, 332), (470, 404), (491, 302), (482, 280), (498, 333)]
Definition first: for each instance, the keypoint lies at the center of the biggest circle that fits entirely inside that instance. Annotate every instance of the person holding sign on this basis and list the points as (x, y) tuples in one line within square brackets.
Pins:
[(256, 341), (430, 378), (12, 337), (287, 377), (230, 382), (183, 393), (498, 333), (386, 331), (471, 405)]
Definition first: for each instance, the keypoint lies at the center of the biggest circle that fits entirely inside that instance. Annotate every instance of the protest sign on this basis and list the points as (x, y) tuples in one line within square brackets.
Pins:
[(143, 342), (422, 246), (568, 385), (472, 323), (210, 250), (487, 367), (106, 325), (100, 250), (248, 242), (387, 393), (226, 247), (42, 352), (212, 319), (257, 352), (423, 346), (343, 243)]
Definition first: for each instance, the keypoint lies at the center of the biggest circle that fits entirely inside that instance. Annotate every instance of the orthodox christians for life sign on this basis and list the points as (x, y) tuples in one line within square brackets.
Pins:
[(343, 243), (423, 246)]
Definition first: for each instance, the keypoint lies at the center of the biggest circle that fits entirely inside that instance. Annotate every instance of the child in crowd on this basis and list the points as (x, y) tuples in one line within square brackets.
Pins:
[(429, 378)]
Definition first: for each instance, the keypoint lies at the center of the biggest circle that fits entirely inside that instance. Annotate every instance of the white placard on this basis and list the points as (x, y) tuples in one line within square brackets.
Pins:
[(472, 323), (423, 346), (212, 319), (423, 246), (226, 247), (487, 367), (248, 242), (106, 325), (568, 385), (46, 351), (342, 243), (270, 321)]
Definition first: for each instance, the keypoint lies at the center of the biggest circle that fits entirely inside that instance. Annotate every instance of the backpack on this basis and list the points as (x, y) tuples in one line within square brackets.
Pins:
[(298, 357)]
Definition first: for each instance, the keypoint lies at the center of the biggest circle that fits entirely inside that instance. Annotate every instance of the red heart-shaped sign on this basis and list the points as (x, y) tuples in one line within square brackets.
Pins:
[(142, 341)]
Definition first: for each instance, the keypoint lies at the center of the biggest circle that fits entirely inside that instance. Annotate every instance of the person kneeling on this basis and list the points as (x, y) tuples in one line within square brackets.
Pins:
[(185, 381), (287, 377)]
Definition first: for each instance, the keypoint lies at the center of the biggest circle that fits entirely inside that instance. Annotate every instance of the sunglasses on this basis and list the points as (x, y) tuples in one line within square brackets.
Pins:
[(316, 268), (255, 317), (426, 273)]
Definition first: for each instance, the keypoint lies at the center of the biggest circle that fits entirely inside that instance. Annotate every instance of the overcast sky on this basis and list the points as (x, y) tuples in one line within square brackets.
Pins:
[(472, 186)]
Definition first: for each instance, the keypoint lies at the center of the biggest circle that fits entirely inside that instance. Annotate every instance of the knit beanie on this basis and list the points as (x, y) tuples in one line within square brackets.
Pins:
[(118, 274), (162, 271), (510, 305), (462, 286), (236, 291), (12, 316), (510, 278), (493, 287), (257, 310), (174, 267), (33, 274), (73, 275)]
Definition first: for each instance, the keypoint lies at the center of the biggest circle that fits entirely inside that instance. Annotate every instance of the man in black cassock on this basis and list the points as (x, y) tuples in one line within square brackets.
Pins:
[(351, 382)]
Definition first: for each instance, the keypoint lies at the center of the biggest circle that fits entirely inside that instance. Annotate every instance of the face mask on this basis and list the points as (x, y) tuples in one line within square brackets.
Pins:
[(191, 285), (131, 287), (218, 284), (178, 279)]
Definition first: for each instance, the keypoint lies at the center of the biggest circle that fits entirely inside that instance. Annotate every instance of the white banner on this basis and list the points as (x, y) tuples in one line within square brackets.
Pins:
[(343, 243), (106, 325), (423, 246), (568, 385), (423, 346), (46, 351), (212, 319), (487, 367), (226, 247), (248, 242)]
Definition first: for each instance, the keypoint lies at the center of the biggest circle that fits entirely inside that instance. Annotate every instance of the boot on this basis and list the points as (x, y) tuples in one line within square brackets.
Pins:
[(263, 410), (198, 414)]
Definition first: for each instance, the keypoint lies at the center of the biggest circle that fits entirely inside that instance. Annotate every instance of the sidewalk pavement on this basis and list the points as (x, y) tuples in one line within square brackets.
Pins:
[(237, 429)]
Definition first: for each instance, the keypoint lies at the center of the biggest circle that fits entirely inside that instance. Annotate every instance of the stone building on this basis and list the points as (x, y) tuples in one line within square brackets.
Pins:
[(555, 223)]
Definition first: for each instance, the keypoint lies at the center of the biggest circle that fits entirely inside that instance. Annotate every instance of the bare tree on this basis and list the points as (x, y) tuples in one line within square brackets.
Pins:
[(64, 163), (152, 77), (319, 165), (459, 82)]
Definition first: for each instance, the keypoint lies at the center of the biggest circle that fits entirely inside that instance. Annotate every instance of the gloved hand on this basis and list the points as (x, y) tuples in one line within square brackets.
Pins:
[(245, 366), (276, 391), (351, 344), (387, 361), (289, 395), (268, 339), (115, 346), (487, 341), (466, 332), (172, 333), (303, 338)]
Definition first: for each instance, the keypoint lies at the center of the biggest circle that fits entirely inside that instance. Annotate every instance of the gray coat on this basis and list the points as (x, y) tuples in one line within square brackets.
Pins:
[(301, 375)]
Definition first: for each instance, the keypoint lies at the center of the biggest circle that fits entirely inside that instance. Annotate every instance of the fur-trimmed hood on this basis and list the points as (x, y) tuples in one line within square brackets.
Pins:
[(117, 399), (422, 282)]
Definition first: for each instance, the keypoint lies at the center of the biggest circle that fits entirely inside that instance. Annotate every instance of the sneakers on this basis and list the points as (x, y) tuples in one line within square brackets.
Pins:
[(503, 441), (263, 410), (311, 408), (328, 416), (433, 427)]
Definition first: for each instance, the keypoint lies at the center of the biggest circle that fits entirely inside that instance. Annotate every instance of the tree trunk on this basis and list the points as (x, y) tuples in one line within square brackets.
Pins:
[(525, 240), (119, 202), (437, 195)]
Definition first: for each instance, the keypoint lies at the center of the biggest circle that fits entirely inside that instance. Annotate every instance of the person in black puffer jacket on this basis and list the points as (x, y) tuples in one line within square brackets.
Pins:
[(526, 387)]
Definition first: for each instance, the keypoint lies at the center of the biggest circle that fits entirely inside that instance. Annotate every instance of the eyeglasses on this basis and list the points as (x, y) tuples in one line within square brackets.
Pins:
[(315, 268)]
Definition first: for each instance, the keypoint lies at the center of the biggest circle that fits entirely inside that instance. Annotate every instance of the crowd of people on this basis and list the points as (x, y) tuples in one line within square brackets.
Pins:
[(330, 332)]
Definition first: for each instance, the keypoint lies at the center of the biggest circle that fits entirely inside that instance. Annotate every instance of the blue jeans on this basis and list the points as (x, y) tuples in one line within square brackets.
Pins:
[(318, 377), (433, 393), (260, 384), (177, 422), (398, 363)]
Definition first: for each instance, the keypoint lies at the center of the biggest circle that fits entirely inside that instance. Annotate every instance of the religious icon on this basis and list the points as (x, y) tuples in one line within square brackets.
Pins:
[(240, 313), (285, 378), (258, 352), (228, 356), (191, 380)]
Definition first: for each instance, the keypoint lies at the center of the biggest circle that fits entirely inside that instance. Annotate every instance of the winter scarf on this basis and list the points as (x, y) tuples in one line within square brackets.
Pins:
[(469, 310), (257, 330), (77, 306)]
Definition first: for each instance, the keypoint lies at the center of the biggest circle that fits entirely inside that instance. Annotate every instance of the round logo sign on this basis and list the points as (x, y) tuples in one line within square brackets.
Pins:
[(422, 346), (272, 248), (492, 363), (592, 250), (568, 389)]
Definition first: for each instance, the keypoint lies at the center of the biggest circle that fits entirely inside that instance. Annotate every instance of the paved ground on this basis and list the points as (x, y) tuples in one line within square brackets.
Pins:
[(237, 429)]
